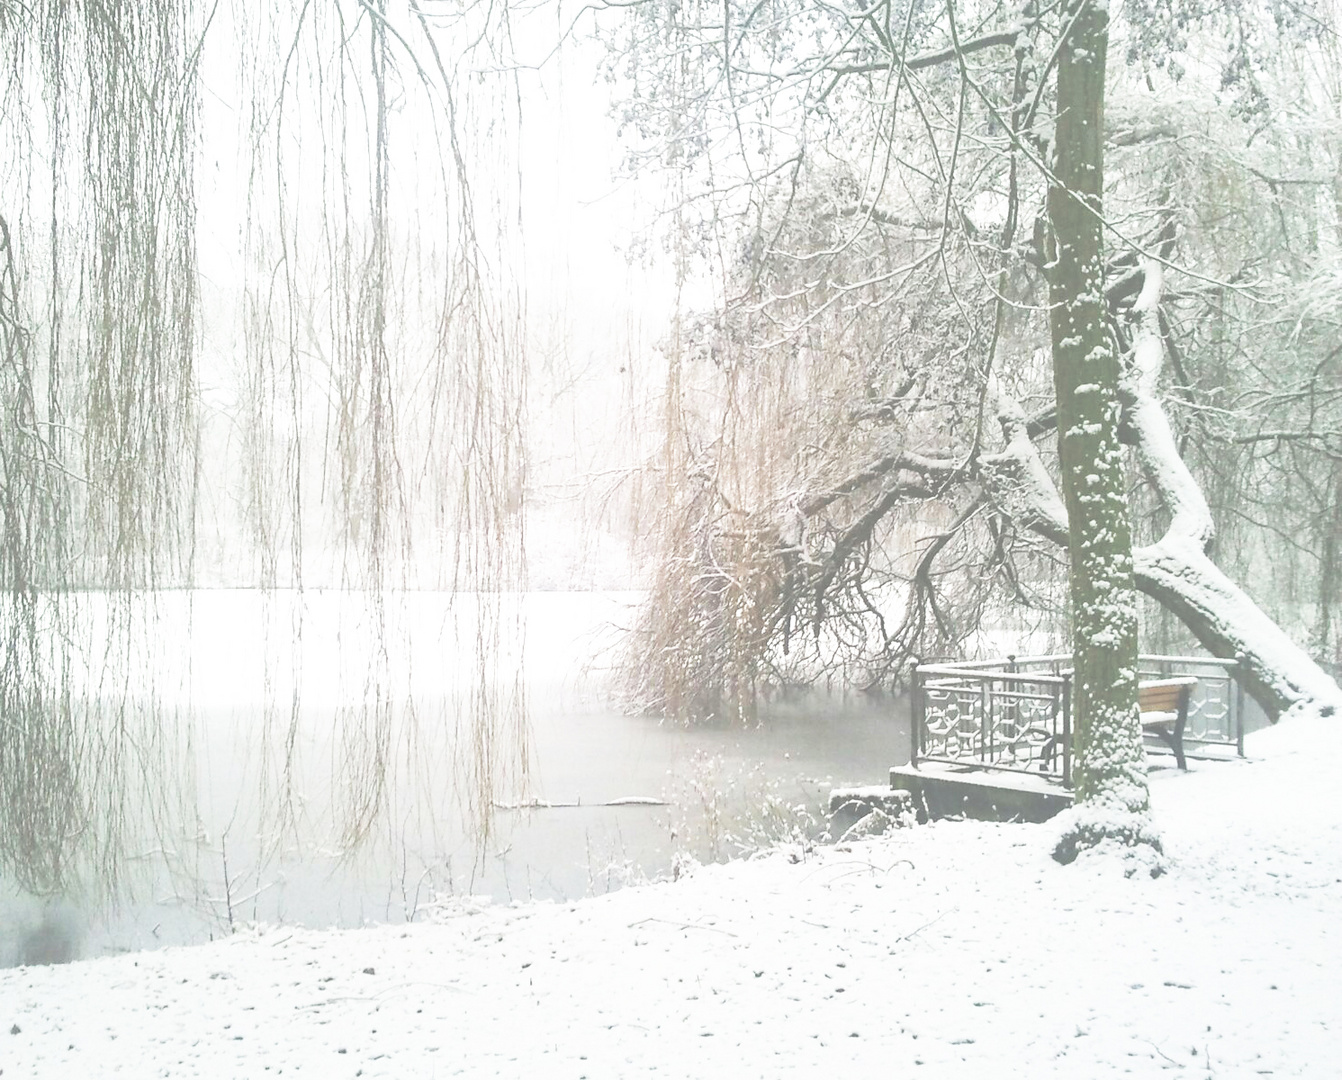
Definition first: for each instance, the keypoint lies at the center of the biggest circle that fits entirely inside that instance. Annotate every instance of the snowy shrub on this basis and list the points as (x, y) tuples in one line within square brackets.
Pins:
[(720, 813)]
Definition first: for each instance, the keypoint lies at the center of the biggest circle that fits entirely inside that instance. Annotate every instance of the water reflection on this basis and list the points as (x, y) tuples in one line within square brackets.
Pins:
[(264, 680)]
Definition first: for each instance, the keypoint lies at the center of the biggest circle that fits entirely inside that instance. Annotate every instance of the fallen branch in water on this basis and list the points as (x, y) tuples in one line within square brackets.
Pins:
[(542, 804)]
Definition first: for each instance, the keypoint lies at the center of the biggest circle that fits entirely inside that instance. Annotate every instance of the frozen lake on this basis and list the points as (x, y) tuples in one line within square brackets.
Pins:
[(270, 690)]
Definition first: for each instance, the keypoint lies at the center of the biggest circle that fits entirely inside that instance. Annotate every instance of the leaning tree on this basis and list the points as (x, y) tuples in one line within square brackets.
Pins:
[(896, 201)]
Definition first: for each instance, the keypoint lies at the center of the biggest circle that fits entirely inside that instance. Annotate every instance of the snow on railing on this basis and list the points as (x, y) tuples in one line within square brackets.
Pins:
[(1015, 715), (990, 717)]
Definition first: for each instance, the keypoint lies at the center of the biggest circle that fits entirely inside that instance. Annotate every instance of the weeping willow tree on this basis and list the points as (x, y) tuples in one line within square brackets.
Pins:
[(302, 227)]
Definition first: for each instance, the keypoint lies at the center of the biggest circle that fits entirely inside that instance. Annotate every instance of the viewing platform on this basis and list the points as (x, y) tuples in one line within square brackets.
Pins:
[(992, 739)]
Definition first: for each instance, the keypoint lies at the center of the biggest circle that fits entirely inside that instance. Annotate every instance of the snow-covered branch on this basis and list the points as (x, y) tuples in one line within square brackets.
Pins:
[(1031, 497), (1156, 447), (1176, 570), (931, 468)]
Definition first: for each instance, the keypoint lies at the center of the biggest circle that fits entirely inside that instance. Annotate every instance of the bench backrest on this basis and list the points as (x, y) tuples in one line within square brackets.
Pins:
[(1165, 695)]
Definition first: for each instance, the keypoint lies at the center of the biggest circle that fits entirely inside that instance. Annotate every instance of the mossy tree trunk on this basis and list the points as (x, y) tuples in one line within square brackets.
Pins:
[(1109, 768)]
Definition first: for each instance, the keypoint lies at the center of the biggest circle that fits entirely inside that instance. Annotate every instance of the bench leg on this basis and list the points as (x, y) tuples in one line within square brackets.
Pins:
[(1048, 751), (1173, 739)]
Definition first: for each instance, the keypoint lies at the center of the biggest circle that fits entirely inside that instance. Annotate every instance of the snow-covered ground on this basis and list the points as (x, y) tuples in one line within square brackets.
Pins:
[(957, 949)]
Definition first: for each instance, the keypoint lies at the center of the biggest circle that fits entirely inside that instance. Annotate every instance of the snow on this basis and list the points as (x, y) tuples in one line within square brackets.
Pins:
[(996, 779), (958, 949)]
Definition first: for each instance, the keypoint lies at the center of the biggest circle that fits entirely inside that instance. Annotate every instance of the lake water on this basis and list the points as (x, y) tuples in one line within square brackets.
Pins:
[(260, 680)]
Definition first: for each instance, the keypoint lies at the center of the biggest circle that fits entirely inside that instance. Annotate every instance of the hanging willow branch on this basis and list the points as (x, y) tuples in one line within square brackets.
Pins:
[(370, 435), (99, 330)]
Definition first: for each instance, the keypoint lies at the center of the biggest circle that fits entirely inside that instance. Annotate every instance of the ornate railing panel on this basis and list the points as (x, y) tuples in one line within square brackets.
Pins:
[(993, 719)]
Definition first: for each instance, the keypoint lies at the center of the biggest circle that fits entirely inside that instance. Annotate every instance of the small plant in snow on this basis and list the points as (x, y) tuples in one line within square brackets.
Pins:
[(683, 864), (770, 821), (615, 874), (447, 906)]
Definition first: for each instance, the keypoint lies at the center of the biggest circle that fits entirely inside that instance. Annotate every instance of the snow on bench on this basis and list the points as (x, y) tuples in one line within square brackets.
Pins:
[(1164, 707)]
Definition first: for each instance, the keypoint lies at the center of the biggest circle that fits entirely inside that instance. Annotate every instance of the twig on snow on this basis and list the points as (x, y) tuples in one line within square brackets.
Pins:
[(680, 925)]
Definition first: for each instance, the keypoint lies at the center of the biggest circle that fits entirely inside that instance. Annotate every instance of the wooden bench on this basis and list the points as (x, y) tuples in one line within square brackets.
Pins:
[(1164, 707)]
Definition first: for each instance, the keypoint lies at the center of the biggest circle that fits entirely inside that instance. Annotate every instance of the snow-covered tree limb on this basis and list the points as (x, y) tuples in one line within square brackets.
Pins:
[(1028, 492), (1176, 570)]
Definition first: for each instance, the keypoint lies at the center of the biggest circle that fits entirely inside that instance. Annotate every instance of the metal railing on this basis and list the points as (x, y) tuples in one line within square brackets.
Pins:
[(1015, 715), (993, 718)]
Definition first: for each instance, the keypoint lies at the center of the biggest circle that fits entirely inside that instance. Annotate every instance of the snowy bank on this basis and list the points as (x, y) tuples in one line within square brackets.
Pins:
[(948, 950)]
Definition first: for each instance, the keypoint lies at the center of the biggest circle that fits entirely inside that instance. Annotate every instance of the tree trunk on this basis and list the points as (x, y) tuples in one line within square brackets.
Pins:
[(1109, 758)]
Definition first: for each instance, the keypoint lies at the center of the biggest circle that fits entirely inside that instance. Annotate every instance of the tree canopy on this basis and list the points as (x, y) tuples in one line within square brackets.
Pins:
[(868, 184)]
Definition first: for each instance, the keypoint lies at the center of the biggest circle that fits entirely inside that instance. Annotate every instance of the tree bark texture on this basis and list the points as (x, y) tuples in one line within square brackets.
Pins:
[(1107, 734)]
